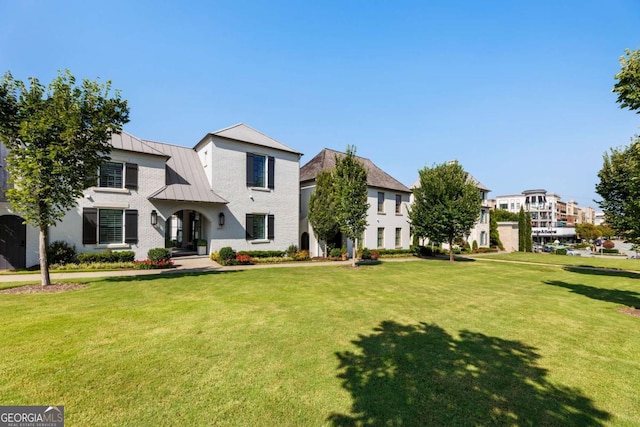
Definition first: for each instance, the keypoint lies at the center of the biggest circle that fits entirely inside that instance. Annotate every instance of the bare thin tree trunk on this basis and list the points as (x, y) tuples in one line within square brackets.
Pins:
[(44, 262), (353, 252)]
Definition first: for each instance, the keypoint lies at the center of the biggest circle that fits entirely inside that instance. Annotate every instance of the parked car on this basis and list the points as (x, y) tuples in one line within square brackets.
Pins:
[(573, 252)]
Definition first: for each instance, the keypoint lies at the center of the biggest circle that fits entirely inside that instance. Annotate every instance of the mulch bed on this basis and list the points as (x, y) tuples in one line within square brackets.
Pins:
[(38, 289), (635, 312)]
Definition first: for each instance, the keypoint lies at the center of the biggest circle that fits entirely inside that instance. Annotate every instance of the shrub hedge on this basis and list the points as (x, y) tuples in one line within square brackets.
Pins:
[(106, 257)]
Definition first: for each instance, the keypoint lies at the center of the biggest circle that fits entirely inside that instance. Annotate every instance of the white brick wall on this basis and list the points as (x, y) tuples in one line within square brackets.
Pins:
[(151, 177), (226, 167)]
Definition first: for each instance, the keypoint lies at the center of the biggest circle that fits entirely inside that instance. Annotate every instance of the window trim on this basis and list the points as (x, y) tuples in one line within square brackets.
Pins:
[(398, 204), (91, 227), (381, 202), (380, 238)]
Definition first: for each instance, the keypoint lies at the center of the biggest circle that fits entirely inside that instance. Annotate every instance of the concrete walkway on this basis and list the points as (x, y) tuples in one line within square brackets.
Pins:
[(188, 264)]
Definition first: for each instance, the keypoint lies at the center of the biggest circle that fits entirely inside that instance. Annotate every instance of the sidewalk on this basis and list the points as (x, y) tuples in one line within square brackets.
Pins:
[(188, 264)]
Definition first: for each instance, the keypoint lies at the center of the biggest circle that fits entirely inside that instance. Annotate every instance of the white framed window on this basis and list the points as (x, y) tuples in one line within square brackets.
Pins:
[(260, 171), (398, 237), (398, 204), (118, 175), (107, 226), (381, 237), (260, 226), (380, 202), (111, 175)]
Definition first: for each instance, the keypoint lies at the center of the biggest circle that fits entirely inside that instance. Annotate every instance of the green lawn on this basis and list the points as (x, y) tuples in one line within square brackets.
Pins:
[(619, 263), (423, 343)]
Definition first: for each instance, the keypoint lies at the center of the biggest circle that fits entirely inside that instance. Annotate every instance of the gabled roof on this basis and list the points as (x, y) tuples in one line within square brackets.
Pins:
[(127, 142), (185, 177), (326, 160), (244, 133)]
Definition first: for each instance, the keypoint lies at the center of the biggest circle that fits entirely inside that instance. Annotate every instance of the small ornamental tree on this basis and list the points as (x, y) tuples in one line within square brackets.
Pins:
[(322, 213), (521, 230), (57, 138), (447, 204), (350, 192)]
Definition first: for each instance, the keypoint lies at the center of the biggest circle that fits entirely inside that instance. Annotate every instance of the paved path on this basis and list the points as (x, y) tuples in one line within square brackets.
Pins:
[(190, 264)]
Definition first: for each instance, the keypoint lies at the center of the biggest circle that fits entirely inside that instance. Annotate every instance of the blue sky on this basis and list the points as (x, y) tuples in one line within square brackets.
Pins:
[(519, 92)]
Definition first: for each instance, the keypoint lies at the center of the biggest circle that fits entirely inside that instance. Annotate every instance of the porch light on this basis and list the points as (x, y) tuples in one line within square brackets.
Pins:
[(221, 219), (154, 217)]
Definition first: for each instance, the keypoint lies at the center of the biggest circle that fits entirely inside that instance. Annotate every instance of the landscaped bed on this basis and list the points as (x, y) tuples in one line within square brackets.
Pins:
[(409, 343)]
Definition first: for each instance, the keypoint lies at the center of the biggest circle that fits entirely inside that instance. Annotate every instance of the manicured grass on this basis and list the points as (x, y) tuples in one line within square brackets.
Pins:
[(587, 261), (411, 343)]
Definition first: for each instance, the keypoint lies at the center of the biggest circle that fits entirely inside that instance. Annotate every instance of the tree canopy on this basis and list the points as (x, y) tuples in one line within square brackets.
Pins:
[(322, 212), (57, 138), (446, 204), (350, 192), (619, 188), (619, 184)]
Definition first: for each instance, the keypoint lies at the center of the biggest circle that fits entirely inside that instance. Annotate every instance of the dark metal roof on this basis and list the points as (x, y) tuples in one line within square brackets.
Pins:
[(185, 177), (326, 160)]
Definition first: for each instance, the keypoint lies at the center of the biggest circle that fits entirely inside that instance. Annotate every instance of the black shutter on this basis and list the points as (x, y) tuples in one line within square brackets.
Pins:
[(271, 172), (249, 226), (271, 227), (131, 226), (89, 226), (250, 181), (131, 176)]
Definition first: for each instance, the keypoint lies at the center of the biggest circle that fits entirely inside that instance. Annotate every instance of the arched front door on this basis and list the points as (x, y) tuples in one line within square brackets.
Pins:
[(304, 242), (13, 239)]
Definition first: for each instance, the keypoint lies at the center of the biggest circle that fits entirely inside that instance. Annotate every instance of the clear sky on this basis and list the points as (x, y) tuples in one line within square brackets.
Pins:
[(519, 92)]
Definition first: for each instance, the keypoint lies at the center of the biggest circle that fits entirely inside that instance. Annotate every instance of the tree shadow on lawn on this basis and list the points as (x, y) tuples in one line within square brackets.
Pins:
[(419, 375), (617, 296), (598, 271)]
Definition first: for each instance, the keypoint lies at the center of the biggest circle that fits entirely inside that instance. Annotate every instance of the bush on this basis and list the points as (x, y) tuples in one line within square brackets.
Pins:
[(201, 242), (227, 254), (301, 255), (61, 253), (215, 256), (148, 264), (240, 259), (291, 250), (561, 252), (610, 251), (264, 254), (474, 246), (159, 254), (335, 252), (608, 244), (366, 254), (375, 255), (106, 257)]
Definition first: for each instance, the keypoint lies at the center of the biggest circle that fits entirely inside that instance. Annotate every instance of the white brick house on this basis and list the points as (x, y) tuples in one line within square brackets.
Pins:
[(387, 217), (152, 194)]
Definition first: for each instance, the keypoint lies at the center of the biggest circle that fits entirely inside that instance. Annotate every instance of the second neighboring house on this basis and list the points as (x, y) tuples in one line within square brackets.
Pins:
[(237, 187), (387, 217)]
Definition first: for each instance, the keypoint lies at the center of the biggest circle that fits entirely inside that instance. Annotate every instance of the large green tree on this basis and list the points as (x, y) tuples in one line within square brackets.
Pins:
[(619, 188), (322, 212), (525, 239), (504, 215), (350, 192), (446, 204), (57, 138), (619, 184), (587, 231)]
